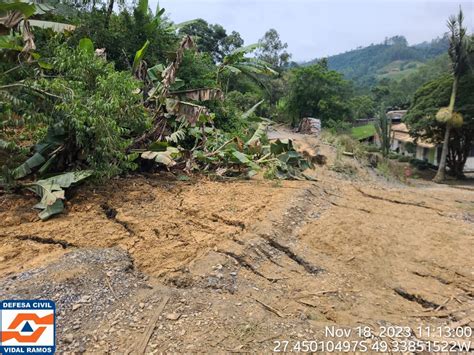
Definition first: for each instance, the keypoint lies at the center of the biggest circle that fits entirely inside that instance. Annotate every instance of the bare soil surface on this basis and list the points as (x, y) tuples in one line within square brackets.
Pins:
[(151, 264)]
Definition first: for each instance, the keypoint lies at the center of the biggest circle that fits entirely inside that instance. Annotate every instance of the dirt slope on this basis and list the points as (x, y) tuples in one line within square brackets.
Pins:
[(161, 265)]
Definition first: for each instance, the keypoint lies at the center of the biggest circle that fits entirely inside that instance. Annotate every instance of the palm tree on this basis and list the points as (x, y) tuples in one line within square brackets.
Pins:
[(237, 63), (458, 53)]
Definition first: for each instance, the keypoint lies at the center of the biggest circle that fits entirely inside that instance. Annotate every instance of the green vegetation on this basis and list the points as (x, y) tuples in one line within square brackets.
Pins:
[(363, 132), (316, 91), (399, 69), (383, 127), (391, 71), (442, 110), (366, 65), (421, 117), (212, 39), (398, 93), (150, 97), (123, 34), (94, 93), (348, 151), (415, 77), (458, 53)]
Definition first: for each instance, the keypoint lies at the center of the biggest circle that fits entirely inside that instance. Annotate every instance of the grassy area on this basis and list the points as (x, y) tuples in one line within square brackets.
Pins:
[(398, 69), (363, 132)]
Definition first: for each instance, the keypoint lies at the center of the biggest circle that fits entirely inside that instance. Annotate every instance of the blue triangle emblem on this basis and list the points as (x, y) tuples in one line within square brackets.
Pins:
[(27, 328)]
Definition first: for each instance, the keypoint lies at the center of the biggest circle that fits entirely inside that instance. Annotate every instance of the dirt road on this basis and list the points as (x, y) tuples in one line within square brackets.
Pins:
[(149, 264)]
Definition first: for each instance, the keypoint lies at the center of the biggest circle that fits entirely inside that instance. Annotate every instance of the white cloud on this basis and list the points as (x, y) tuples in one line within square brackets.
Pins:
[(315, 28)]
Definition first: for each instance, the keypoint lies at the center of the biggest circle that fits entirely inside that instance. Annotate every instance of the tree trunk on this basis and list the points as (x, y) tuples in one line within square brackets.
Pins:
[(110, 9), (441, 174)]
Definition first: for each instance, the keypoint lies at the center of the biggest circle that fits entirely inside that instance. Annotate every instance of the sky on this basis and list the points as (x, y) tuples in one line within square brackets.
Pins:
[(319, 28)]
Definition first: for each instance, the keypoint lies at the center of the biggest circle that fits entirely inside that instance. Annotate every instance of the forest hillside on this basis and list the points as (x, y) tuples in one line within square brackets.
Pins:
[(393, 58)]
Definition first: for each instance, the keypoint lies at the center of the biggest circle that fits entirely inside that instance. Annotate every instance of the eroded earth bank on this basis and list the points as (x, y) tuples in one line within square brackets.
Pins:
[(151, 264)]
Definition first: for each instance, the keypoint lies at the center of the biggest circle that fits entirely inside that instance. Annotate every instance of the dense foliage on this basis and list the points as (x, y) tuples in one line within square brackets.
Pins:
[(212, 39), (363, 65), (197, 71), (427, 101), (399, 93), (127, 90), (316, 91), (100, 110), (125, 33), (87, 116), (131, 90)]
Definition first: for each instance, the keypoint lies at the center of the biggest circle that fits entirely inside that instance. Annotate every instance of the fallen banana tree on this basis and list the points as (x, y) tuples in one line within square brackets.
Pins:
[(180, 117), (52, 191), (180, 137), (214, 151)]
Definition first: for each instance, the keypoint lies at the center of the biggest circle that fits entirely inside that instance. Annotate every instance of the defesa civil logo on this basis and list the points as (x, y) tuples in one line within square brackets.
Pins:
[(27, 327)]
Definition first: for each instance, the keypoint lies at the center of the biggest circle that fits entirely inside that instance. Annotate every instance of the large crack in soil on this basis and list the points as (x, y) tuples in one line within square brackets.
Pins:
[(415, 298), (45, 240), (312, 269), (242, 263)]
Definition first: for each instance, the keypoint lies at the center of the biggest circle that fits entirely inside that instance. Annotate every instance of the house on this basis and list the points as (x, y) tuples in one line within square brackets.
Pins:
[(364, 129), (404, 144), (396, 115)]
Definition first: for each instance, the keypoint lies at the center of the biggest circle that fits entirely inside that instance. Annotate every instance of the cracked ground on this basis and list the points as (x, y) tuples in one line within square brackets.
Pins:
[(150, 264)]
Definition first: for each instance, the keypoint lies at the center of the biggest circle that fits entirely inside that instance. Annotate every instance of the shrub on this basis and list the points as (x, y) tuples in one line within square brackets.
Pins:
[(344, 167), (229, 112), (99, 111), (351, 145), (384, 169), (338, 126), (328, 137), (421, 164), (404, 159), (391, 169), (197, 70), (371, 148)]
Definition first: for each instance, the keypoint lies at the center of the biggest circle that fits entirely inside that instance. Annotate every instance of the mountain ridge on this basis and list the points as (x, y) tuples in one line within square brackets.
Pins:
[(367, 65)]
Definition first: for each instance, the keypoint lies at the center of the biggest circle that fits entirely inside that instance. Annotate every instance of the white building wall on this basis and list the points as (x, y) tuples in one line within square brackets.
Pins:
[(419, 153), (394, 145), (469, 167), (469, 164)]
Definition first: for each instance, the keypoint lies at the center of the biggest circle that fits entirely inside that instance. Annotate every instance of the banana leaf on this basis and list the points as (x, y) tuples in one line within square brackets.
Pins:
[(165, 157), (52, 192), (55, 26), (24, 8), (280, 146), (154, 73), (86, 45), (139, 55), (258, 135), (249, 112), (27, 167)]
